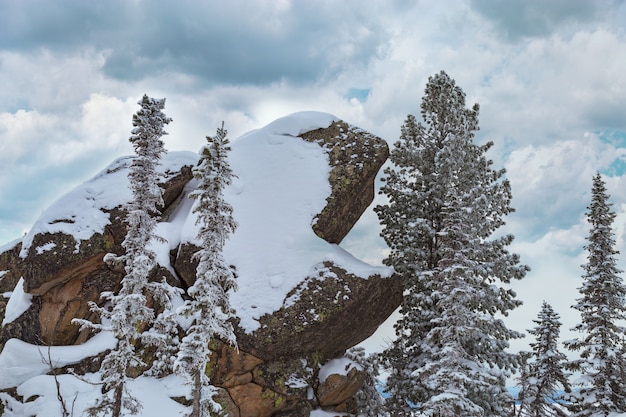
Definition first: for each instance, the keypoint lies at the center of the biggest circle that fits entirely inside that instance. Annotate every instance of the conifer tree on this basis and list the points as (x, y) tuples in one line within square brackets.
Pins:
[(602, 362), (523, 381), (544, 377), (369, 401), (209, 306), (144, 214), (127, 312), (445, 201)]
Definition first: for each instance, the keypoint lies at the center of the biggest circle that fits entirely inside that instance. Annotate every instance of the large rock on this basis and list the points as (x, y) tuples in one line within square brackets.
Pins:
[(64, 273), (256, 401), (276, 388), (355, 156), (230, 367), (329, 314), (25, 327), (287, 388), (55, 259), (313, 313), (9, 273), (336, 389)]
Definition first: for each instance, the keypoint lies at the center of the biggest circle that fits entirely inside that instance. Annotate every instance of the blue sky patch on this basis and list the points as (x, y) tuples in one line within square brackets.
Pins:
[(616, 169), (617, 139), (614, 137), (360, 94)]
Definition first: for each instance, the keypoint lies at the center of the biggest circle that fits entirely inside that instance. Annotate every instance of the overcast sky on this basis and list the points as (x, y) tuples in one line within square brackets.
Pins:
[(549, 77)]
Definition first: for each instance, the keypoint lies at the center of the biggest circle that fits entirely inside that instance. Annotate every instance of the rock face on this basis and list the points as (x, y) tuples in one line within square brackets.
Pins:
[(10, 273), (337, 389), (355, 156), (333, 312), (64, 279), (328, 312)]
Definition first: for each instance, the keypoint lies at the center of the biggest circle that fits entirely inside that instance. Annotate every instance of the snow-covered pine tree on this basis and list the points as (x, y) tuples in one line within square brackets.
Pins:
[(445, 201), (162, 334), (544, 377), (209, 306), (369, 401), (127, 312), (602, 306), (522, 381)]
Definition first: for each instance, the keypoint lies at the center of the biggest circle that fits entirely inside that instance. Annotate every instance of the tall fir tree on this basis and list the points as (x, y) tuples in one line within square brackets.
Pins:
[(544, 378), (602, 307), (445, 201), (209, 306), (127, 311)]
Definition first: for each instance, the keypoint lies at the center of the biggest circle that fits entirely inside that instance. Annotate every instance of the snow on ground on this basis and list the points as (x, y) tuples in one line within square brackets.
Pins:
[(20, 361), (155, 396), (24, 366)]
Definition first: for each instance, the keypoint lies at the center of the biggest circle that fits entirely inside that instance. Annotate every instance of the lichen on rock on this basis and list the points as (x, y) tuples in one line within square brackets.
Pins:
[(327, 313), (355, 157)]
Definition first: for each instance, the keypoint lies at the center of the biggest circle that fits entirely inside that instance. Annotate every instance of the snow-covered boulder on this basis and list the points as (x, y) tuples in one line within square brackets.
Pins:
[(60, 259), (303, 182), (329, 312)]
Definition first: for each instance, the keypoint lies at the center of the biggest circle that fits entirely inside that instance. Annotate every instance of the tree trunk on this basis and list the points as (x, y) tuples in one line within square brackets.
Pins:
[(197, 390), (117, 401)]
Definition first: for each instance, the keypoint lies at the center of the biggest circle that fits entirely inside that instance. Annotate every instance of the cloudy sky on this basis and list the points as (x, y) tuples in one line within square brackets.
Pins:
[(549, 76)]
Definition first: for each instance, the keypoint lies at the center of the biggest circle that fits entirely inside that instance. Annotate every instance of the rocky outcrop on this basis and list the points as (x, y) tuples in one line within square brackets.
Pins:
[(329, 313), (66, 277), (326, 308), (250, 387), (270, 375)]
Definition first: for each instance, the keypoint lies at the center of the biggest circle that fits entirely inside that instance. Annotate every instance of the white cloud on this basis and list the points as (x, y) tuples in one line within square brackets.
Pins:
[(43, 154), (555, 260), (556, 87), (48, 81), (545, 91), (552, 182), (105, 119), (20, 132)]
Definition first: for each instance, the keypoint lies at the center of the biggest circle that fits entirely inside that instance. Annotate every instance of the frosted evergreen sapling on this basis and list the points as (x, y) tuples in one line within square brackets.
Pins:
[(127, 313), (544, 378), (209, 306)]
